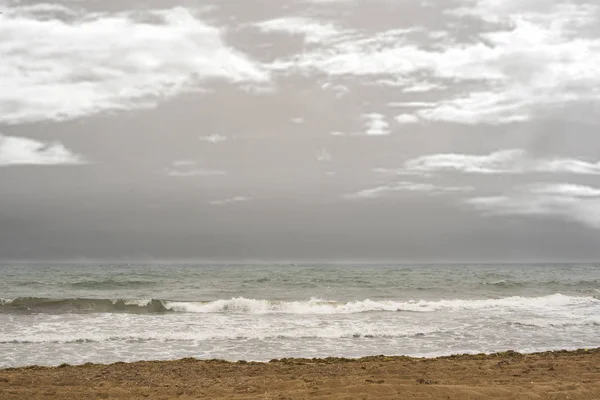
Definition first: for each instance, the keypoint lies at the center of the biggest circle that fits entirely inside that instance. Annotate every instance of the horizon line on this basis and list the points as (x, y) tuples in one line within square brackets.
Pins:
[(199, 261)]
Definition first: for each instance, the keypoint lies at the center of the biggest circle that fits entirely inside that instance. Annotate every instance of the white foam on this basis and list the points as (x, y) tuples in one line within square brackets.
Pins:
[(318, 306), (56, 68), (139, 303), (234, 333)]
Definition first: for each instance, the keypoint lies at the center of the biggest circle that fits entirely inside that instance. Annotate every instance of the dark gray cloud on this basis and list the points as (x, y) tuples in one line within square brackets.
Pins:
[(300, 130)]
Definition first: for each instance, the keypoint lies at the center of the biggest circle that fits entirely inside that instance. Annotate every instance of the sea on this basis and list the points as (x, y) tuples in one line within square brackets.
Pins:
[(52, 314)]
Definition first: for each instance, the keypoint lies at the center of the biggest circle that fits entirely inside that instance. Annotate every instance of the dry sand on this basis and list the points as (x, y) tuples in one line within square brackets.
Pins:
[(509, 375)]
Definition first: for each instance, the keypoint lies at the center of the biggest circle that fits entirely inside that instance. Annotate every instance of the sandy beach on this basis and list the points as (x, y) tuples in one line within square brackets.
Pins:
[(508, 375)]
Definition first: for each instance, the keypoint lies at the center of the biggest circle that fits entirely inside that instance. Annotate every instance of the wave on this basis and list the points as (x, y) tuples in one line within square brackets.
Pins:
[(76, 305), (171, 336), (557, 285), (111, 284), (241, 305), (363, 331), (504, 283)]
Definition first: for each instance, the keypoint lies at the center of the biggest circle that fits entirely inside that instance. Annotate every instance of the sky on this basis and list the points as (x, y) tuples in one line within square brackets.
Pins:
[(459, 130)]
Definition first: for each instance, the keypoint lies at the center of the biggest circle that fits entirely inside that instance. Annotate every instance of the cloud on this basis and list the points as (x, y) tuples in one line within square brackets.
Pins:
[(406, 186), (312, 31), (23, 151), (503, 161), (411, 104), (214, 138), (379, 191), (576, 203), (60, 63), (422, 87), (375, 124), (538, 55), (567, 165), (337, 89), (566, 189), (401, 171), (189, 168), (231, 200), (406, 119), (509, 161)]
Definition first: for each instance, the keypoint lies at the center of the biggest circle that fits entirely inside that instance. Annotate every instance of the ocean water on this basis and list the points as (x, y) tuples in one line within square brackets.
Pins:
[(57, 313)]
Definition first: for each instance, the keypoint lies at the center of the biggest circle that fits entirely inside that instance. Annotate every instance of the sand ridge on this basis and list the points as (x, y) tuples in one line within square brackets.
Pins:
[(508, 375)]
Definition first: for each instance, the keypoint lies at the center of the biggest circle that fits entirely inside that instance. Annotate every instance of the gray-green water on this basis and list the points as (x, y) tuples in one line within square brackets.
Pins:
[(50, 314)]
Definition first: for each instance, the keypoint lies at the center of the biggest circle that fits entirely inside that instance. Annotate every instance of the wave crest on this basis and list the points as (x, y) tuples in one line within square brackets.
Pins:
[(241, 305)]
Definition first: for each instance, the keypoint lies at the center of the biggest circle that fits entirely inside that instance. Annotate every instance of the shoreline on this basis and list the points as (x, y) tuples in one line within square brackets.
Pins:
[(560, 374), (318, 360)]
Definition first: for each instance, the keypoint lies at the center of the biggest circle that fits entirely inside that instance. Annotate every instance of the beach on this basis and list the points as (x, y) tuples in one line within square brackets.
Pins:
[(506, 375)]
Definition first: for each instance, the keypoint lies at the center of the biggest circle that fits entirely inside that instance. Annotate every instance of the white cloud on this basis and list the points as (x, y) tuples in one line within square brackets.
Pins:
[(214, 138), (541, 56), (503, 161), (421, 87), (55, 69), (406, 186), (511, 161), (569, 166), (190, 168), (375, 124), (337, 89), (411, 104), (406, 119), (23, 151), (566, 189), (484, 106), (400, 171), (313, 31), (231, 200), (576, 203), (379, 191)]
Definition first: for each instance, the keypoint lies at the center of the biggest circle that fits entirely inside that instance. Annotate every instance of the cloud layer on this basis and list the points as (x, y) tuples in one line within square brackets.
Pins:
[(532, 56), (59, 63), (563, 200), (578, 203), (510, 161)]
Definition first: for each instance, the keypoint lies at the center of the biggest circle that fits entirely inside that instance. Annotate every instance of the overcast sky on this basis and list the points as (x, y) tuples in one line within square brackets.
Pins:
[(410, 130)]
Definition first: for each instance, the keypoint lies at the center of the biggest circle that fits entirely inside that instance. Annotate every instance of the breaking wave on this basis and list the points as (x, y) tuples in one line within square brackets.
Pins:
[(242, 305)]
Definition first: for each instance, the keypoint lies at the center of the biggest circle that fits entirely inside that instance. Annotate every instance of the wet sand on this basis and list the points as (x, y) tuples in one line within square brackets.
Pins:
[(508, 375)]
